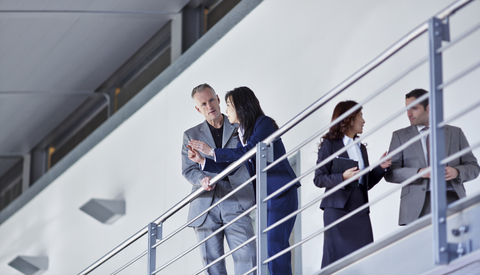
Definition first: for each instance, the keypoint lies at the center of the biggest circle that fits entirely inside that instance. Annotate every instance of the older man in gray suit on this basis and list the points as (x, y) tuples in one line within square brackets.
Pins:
[(217, 132), (415, 197)]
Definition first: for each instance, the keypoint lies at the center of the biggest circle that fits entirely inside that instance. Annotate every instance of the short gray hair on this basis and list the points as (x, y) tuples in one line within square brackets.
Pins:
[(202, 87)]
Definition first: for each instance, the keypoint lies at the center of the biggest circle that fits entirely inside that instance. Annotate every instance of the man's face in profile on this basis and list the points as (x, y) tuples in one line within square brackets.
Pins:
[(417, 114)]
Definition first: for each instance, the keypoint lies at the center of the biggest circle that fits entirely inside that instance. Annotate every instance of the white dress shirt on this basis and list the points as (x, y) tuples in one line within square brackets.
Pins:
[(424, 142), (354, 153), (241, 132)]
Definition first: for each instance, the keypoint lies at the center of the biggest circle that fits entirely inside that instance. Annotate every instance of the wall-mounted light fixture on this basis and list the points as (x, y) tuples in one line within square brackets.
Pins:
[(30, 265), (105, 211)]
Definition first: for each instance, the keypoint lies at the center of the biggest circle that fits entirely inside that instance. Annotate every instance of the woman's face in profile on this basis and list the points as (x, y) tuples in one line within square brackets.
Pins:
[(231, 112), (358, 122)]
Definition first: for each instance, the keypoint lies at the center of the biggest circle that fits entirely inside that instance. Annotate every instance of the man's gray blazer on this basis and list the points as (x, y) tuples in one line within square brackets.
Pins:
[(192, 172), (407, 163)]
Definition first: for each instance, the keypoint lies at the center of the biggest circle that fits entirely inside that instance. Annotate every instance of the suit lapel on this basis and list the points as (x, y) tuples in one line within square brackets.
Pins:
[(337, 145), (448, 137), (363, 149), (207, 135), (416, 146), (228, 130)]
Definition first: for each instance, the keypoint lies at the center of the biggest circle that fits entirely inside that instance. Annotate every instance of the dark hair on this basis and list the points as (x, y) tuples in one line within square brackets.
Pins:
[(247, 107), (202, 87), (338, 130), (416, 94)]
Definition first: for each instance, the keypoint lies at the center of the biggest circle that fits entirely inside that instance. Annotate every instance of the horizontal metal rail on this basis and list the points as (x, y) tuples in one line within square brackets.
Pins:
[(363, 172), (357, 176), (130, 263), (459, 38), (347, 113), (460, 153), (459, 75), (412, 35), (380, 197), (250, 271), (341, 117), (177, 207), (459, 114), (346, 182), (356, 141), (320, 231), (227, 254), (206, 239), (366, 170), (205, 211), (186, 224)]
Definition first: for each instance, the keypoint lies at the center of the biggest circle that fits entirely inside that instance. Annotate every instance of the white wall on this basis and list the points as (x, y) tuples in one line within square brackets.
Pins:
[(290, 54)]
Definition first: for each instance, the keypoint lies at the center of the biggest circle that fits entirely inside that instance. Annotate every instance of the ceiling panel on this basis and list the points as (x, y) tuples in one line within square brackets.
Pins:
[(63, 52), (61, 4), (32, 5), (9, 4), (12, 28), (22, 119), (78, 5)]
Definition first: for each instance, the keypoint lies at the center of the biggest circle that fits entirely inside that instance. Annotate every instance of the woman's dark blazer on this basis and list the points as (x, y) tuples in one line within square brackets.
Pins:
[(324, 177), (277, 176)]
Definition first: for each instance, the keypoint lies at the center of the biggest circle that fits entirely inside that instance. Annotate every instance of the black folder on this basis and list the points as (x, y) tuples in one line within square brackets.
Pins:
[(339, 164)]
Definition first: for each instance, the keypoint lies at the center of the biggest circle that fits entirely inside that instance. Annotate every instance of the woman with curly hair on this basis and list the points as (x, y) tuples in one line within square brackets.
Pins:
[(355, 232)]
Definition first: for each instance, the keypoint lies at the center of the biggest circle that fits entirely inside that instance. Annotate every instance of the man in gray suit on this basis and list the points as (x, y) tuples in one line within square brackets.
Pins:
[(217, 132), (415, 197)]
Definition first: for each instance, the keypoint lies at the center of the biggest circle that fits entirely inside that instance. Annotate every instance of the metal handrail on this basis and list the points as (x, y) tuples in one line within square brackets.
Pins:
[(459, 38), (460, 153), (365, 171), (350, 111), (380, 197), (321, 230), (459, 75), (207, 238), (459, 114), (226, 254), (344, 115), (364, 70), (344, 183), (289, 125), (186, 224), (372, 202)]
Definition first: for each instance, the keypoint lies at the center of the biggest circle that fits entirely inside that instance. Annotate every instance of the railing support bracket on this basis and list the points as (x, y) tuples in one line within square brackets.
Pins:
[(154, 234)]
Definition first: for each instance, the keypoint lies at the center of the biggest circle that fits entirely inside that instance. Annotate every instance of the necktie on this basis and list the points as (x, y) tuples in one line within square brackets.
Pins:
[(427, 145)]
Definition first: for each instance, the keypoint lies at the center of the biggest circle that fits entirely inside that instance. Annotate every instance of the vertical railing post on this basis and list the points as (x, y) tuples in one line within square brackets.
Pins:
[(154, 234), (261, 224), (437, 32)]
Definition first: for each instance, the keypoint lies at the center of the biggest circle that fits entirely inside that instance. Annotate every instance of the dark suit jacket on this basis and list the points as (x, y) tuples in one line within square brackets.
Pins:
[(277, 176), (325, 179), (407, 163)]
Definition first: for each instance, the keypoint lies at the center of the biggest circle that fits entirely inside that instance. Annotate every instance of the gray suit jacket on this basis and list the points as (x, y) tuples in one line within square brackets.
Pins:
[(192, 172), (407, 163)]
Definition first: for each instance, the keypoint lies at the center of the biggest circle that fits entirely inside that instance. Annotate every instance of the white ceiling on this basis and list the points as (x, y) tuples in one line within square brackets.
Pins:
[(55, 53)]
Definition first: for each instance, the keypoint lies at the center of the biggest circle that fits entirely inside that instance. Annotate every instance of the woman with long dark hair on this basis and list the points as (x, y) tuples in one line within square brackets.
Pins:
[(355, 232), (244, 108)]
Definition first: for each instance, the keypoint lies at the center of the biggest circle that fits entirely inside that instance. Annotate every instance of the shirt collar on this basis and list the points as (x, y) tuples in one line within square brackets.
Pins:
[(347, 139), (241, 132), (420, 127)]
